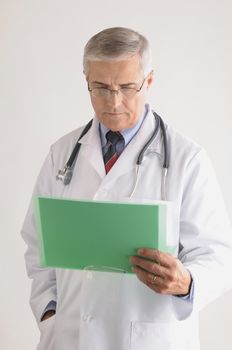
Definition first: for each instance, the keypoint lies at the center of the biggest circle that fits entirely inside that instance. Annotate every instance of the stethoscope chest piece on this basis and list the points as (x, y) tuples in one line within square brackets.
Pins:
[(65, 175)]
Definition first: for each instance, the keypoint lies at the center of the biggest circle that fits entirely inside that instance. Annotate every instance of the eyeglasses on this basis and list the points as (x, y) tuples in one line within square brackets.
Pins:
[(104, 92)]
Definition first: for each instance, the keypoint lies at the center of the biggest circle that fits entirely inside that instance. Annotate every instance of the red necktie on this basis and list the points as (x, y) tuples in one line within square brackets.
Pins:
[(113, 149)]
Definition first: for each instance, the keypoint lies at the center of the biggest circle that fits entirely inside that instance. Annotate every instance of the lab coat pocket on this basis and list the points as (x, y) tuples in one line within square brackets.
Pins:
[(150, 336), (46, 334)]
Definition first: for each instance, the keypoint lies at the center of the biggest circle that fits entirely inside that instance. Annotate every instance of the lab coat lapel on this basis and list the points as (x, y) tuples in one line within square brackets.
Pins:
[(91, 149)]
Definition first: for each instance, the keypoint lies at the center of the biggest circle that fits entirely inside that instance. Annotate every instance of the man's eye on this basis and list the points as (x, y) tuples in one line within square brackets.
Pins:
[(101, 88), (127, 88)]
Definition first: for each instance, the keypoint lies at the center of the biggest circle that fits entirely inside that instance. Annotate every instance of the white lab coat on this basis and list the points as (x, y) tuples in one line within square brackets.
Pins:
[(113, 311)]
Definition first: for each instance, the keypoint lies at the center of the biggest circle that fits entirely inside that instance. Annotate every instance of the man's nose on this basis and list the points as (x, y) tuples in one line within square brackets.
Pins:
[(115, 98)]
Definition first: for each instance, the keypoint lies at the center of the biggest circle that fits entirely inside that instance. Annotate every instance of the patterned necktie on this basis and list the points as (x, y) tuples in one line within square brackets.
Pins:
[(113, 148)]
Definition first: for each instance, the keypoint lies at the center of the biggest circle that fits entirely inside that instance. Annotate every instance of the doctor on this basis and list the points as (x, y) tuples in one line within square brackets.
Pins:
[(157, 306)]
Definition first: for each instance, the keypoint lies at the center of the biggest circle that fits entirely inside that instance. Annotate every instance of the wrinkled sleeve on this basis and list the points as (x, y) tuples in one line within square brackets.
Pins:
[(205, 236)]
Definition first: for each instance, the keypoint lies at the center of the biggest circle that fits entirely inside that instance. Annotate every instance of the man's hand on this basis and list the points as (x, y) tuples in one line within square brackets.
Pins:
[(161, 272), (48, 314)]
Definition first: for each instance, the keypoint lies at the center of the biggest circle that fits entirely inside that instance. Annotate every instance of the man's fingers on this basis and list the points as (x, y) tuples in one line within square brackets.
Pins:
[(152, 281), (151, 266), (164, 259), (173, 278)]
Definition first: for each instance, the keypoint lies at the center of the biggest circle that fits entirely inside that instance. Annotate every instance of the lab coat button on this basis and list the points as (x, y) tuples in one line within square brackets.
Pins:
[(138, 330), (87, 318)]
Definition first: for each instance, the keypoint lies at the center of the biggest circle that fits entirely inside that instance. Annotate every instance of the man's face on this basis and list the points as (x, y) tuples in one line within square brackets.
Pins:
[(116, 111)]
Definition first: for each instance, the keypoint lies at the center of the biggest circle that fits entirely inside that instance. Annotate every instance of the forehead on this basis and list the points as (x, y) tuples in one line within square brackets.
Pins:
[(115, 71)]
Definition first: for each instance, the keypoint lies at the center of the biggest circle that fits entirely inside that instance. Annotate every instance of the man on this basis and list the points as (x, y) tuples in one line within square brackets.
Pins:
[(157, 306)]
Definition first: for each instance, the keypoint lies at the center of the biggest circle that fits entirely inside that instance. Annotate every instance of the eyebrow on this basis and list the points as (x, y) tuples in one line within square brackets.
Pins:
[(103, 84)]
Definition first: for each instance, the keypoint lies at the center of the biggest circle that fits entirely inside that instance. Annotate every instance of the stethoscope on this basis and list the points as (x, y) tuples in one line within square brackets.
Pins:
[(65, 174)]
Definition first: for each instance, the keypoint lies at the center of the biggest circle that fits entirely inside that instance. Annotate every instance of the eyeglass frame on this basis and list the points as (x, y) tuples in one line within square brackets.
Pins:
[(113, 90)]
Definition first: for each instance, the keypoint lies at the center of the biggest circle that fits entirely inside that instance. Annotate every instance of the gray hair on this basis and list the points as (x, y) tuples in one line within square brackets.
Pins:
[(115, 44)]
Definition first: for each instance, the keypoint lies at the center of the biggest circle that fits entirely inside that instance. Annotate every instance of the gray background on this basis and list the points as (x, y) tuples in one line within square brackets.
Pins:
[(43, 95)]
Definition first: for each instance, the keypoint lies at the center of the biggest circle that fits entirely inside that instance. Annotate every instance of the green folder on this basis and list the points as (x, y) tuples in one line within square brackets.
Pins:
[(78, 234)]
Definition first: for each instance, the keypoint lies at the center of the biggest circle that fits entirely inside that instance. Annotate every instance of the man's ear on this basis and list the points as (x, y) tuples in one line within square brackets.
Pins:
[(150, 79)]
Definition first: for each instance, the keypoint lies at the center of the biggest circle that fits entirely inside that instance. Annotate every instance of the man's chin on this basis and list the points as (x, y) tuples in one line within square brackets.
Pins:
[(115, 126), (115, 122)]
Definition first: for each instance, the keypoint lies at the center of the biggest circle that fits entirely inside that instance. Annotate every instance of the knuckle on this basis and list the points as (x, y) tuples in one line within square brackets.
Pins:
[(150, 278), (168, 284), (153, 267), (171, 278), (175, 264), (145, 251)]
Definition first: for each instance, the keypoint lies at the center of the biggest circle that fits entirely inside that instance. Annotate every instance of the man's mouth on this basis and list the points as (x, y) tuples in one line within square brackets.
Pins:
[(113, 113)]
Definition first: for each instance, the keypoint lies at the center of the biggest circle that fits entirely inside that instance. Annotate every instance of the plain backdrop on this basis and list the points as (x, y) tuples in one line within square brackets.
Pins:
[(43, 95)]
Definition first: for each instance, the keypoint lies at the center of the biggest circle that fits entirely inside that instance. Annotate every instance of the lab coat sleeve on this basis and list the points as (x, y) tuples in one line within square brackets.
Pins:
[(205, 236), (51, 306), (43, 279)]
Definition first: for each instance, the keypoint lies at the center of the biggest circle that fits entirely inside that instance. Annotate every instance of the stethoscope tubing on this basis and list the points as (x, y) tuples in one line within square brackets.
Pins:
[(65, 175)]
